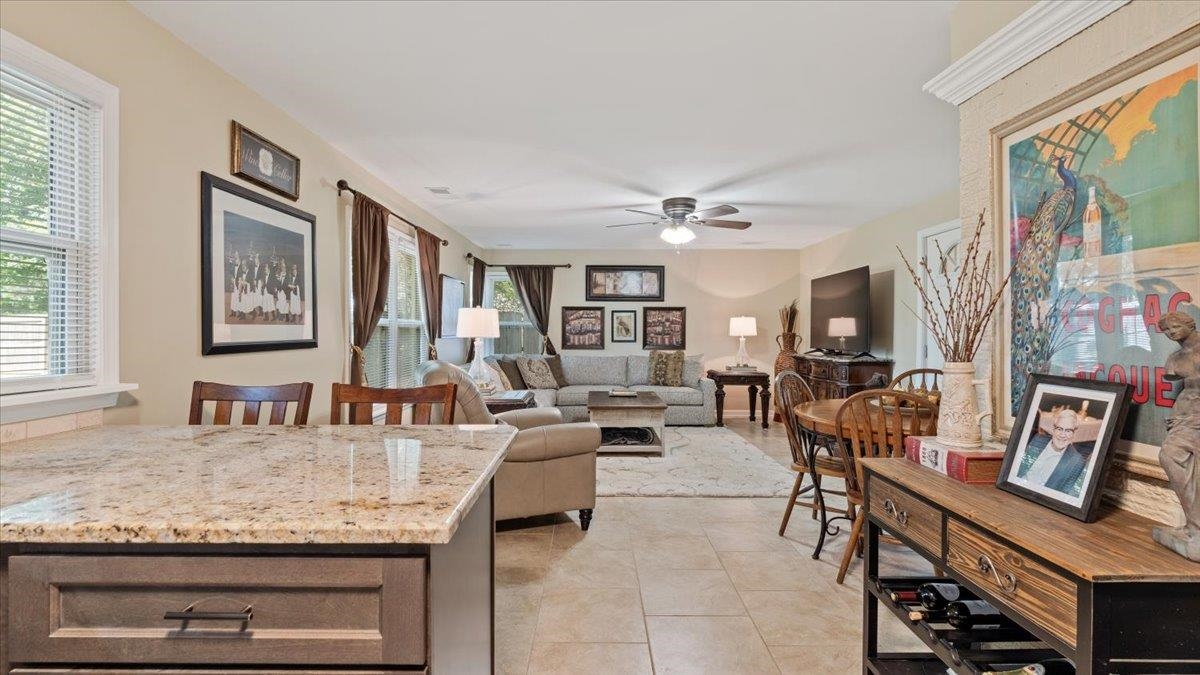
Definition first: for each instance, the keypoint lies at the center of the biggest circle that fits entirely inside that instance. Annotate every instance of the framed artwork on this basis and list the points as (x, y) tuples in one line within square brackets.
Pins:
[(1099, 203), (454, 293), (583, 328), (263, 163), (624, 325), (258, 271), (1060, 447), (664, 328), (621, 283)]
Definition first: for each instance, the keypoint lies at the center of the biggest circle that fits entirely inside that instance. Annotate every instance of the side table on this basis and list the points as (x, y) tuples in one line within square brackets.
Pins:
[(759, 383), (503, 401)]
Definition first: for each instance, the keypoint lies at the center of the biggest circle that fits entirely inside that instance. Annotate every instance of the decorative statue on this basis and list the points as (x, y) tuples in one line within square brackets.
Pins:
[(1180, 455)]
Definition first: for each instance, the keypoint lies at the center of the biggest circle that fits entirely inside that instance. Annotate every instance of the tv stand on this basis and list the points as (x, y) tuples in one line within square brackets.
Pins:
[(841, 375)]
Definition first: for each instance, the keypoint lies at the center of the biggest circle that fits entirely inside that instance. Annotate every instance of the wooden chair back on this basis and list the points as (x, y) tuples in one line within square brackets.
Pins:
[(362, 402), (252, 398), (875, 423), (927, 381), (791, 390)]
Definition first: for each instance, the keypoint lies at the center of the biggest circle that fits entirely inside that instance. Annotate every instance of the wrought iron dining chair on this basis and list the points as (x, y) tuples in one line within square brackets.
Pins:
[(926, 382), (251, 398), (875, 423), (362, 401), (792, 390)]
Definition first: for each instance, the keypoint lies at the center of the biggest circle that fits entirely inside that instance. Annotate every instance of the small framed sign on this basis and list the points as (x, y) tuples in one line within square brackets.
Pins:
[(583, 328), (624, 325), (263, 163)]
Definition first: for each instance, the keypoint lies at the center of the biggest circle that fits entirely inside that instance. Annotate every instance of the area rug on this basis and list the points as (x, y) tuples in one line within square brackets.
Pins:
[(699, 462)]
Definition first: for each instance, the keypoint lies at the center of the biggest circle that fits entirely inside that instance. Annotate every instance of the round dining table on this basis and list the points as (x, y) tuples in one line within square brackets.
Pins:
[(818, 427)]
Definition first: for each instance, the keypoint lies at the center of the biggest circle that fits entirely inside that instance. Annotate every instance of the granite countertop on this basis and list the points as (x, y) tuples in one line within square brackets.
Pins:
[(247, 485)]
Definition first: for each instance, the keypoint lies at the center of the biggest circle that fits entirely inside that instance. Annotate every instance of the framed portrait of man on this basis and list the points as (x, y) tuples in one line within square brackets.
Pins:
[(1060, 448)]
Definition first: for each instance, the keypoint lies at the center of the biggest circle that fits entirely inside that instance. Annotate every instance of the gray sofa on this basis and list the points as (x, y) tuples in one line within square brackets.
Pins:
[(694, 404)]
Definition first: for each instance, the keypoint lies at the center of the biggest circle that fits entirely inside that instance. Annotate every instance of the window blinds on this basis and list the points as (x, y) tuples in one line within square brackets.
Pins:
[(399, 343), (49, 235)]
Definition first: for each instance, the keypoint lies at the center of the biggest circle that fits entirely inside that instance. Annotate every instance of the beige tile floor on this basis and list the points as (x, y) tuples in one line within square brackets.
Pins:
[(678, 585)]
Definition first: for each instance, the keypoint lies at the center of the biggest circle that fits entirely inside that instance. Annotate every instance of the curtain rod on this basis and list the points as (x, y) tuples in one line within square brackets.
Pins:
[(472, 257), (343, 185)]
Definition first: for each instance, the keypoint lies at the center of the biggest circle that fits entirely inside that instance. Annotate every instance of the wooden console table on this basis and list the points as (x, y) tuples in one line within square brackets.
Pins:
[(840, 377), (1102, 594), (759, 383)]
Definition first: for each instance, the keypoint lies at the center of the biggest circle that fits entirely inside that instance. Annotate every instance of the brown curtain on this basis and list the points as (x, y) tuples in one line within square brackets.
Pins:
[(478, 272), (429, 252), (534, 284), (370, 262)]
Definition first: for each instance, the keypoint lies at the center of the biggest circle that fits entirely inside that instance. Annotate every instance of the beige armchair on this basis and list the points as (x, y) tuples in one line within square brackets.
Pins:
[(551, 466)]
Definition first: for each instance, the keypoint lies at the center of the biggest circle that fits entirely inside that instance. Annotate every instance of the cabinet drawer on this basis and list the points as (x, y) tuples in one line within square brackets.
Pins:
[(906, 516), (1017, 581), (840, 373), (819, 369), (110, 609)]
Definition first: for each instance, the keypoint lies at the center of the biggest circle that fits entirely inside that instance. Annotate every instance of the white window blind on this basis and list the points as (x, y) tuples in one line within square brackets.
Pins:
[(50, 181), (517, 334), (398, 345)]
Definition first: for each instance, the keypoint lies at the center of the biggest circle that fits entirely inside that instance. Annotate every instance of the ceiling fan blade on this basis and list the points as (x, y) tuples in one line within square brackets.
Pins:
[(647, 222), (715, 212), (727, 224), (646, 213)]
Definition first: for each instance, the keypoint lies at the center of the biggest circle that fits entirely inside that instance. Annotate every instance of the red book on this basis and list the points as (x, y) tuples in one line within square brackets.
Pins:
[(979, 466)]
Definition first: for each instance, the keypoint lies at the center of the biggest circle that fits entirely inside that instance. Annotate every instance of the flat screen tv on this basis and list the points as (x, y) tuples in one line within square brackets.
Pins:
[(841, 312)]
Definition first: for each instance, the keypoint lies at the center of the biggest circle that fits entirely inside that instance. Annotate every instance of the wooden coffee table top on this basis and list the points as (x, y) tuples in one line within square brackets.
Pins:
[(600, 400)]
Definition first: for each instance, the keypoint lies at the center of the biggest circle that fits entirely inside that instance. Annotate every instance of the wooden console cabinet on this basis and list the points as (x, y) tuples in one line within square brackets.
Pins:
[(1101, 594), (840, 377)]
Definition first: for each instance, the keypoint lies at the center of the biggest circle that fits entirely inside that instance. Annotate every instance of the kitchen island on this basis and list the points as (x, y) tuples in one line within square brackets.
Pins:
[(363, 548)]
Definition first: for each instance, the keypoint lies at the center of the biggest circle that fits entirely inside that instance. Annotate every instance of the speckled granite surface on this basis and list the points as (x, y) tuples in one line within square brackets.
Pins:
[(253, 485)]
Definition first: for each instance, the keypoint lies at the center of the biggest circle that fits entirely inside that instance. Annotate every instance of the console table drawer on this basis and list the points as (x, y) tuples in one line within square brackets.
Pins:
[(907, 516), (1023, 584), (248, 610)]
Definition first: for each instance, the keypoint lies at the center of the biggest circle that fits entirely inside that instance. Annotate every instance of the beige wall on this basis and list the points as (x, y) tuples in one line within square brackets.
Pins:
[(973, 21), (176, 108)]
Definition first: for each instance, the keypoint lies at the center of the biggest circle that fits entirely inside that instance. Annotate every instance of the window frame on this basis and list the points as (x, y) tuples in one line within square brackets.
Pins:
[(21, 406), (390, 319)]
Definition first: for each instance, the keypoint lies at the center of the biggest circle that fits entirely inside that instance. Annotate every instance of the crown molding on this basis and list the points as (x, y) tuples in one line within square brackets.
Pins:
[(1039, 29)]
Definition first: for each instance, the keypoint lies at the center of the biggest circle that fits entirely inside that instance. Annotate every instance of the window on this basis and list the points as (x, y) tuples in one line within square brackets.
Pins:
[(517, 334), (399, 344), (58, 152)]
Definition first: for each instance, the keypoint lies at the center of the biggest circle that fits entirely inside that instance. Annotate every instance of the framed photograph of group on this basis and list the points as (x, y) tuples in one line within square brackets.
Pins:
[(624, 283), (624, 325), (258, 271), (664, 328), (1061, 443), (583, 328)]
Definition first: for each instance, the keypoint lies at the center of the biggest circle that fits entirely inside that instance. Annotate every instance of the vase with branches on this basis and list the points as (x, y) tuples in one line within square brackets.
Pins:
[(958, 303), (787, 339)]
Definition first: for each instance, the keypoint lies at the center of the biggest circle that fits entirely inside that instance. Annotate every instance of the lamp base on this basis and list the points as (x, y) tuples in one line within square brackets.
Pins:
[(743, 358), (478, 370)]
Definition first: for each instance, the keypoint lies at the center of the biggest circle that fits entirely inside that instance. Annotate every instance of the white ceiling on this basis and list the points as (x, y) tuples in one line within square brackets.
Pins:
[(547, 119)]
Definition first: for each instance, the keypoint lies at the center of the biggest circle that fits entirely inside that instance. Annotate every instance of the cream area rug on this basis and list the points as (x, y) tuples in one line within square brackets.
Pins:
[(698, 462)]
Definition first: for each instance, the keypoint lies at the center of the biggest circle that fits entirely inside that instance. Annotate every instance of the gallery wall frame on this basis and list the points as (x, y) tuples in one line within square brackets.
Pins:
[(625, 283)]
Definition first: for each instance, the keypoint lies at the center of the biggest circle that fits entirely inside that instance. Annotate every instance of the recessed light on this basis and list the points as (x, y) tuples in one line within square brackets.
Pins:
[(439, 190)]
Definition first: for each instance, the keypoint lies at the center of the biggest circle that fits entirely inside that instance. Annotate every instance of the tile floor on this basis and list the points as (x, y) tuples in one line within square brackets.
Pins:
[(679, 585)]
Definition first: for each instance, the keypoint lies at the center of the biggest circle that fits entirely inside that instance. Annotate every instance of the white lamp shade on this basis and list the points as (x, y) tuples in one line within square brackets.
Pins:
[(843, 326), (478, 322), (679, 234), (742, 326)]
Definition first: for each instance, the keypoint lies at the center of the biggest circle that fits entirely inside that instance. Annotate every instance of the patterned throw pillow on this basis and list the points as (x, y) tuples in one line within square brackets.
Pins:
[(666, 368), (495, 375), (536, 373)]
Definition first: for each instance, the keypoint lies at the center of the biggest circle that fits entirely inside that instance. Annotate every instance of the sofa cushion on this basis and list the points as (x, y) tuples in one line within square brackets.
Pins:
[(674, 395), (638, 370), (577, 394), (509, 365), (545, 398), (693, 369), (608, 370), (555, 363), (536, 372), (666, 368)]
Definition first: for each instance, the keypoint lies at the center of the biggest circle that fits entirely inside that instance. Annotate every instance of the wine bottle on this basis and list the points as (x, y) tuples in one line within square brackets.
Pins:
[(1048, 667), (926, 615), (903, 596), (1092, 224), (937, 595), (967, 614)]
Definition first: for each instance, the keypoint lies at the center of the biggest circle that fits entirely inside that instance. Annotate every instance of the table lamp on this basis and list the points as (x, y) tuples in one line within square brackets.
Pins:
[(842, 327), (740, 327), (478, 323)]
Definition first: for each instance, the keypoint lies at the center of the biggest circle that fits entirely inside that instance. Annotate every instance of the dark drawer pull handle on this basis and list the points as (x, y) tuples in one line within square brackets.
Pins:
[(189, 613)]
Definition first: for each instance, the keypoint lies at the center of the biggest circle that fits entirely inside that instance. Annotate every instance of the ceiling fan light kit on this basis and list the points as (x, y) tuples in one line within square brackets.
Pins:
[(677, 235), (680, 212)]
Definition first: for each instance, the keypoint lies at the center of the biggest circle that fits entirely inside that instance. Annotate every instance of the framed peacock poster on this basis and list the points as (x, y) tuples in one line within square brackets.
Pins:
[(1099, 198)]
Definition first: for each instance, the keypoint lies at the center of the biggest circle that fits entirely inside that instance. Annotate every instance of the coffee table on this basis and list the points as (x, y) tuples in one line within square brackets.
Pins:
[(644, 410)]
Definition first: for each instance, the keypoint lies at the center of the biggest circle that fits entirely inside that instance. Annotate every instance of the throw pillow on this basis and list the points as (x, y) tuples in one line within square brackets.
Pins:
[(555, 363), (666, 368), (537, 373), (508, 364), (495, 375)]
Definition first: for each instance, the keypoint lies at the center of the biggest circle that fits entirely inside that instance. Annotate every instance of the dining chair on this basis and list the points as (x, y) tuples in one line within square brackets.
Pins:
[(362, 402), (924, 381), (792, 390), (252, 398), (875, 423)]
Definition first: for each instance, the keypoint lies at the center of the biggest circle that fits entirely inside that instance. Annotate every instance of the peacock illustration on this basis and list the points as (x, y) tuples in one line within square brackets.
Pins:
[(1034, 308)]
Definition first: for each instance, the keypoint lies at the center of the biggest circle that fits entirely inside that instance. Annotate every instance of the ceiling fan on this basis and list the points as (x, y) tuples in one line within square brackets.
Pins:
[(679, 212)]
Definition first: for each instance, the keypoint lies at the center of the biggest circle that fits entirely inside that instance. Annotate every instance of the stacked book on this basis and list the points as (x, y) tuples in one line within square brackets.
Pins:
[(980, 466)]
